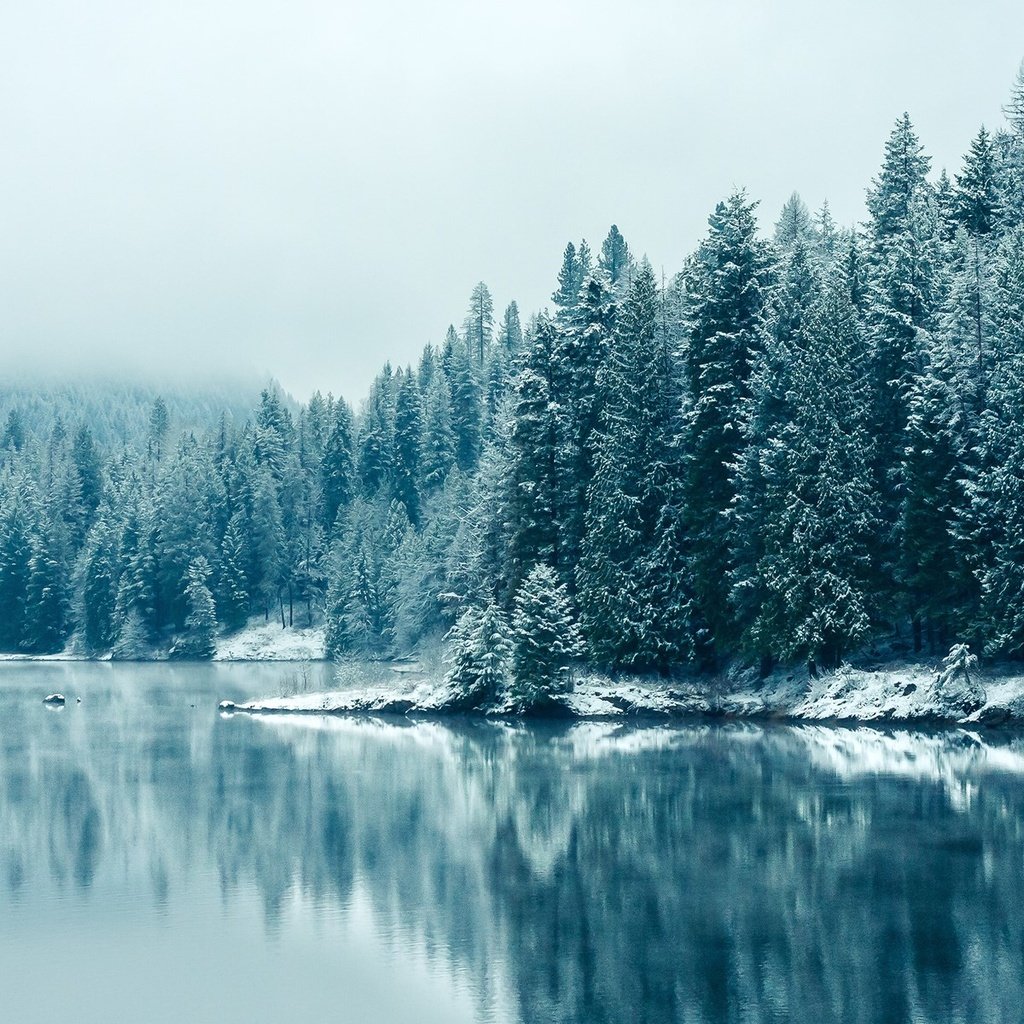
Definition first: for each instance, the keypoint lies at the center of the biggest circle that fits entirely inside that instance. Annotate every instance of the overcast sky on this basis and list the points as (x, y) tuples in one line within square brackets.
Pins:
[(309, 188)]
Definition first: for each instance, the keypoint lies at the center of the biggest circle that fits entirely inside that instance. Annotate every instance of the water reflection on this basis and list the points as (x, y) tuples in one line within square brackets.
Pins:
[(581, 873)]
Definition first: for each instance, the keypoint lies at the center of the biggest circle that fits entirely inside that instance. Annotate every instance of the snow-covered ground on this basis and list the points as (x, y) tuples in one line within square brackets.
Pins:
[(259, 641), (911, 693), (269, 642)]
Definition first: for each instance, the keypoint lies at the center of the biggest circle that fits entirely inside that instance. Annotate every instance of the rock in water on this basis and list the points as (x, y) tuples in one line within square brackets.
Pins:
[(54, 698)]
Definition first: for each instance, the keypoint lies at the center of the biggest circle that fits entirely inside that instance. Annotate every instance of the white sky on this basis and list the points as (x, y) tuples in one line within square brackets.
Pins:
[(309, 188)]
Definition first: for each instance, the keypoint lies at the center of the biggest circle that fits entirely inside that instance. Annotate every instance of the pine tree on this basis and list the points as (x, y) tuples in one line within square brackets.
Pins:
[(614, 259), (803, 516), (159, 425), (537, 460), (510, 333), (479, 656), (15, 565), (795, 225), (936, 579), (90, 474), (478, 329), (438, 444), (726, 286), (900, 306), (46, 601), (376, 444), (14, 432), (618, 573), (408, 439), (337, 466), (232, 597), (466, 409), (545, 637), (976, 196), (570, 278), (98, 584), (199, 639)]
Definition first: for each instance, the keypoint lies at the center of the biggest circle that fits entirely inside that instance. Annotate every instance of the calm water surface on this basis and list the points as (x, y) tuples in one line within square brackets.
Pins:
[(159, 862)]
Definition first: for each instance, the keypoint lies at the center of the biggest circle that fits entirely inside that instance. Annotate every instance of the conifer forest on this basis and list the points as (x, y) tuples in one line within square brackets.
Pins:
[(806, 438)]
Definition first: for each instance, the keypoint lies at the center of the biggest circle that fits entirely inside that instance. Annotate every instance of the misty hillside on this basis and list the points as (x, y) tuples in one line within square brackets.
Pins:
[(118, 410)]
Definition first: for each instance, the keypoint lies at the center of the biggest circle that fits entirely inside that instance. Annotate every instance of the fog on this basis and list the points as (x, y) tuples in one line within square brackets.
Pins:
[(309, 188)]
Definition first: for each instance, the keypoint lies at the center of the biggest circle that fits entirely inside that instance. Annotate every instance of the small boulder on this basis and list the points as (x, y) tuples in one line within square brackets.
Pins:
[(55, 699)]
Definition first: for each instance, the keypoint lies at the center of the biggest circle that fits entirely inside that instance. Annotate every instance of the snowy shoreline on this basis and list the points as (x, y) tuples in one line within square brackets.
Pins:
[(911, 694), (257, 642)]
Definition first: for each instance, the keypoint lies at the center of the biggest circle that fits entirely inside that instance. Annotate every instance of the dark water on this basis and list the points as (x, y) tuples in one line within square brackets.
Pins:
[(161, 863)]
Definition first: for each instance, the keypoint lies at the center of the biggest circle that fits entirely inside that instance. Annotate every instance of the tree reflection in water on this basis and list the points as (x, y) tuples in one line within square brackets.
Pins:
[(581, 873)]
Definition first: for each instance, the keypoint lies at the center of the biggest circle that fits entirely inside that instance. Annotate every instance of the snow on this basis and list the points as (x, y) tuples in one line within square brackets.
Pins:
[(903, 694), (269, 642)]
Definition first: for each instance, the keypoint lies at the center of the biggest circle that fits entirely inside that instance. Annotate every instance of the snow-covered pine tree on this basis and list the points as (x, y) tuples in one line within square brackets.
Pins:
[(438, 447), (617, 578), (408, 439), (478, 327), (337, 465), (16, 529), (726, 286), (98, 583), (545, 637), (479, 655), (46, 600), (198, 641), (804, 510), (795, 226), (614, 260), (901, 256)]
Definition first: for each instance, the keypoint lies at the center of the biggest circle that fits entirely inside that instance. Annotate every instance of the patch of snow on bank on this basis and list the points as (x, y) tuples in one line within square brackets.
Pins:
[(269, 642)]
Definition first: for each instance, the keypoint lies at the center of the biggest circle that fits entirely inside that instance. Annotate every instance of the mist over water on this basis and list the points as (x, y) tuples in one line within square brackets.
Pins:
[(174, 864)]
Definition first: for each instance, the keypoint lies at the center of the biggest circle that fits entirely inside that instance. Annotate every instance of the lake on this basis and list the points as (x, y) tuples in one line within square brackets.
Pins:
[(161, 862)]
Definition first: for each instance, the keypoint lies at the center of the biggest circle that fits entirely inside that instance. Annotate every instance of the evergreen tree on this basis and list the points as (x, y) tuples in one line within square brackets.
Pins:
[(570, 279), (976, 196), (15, 565), (199, 638), (902, 240), (337, 467), (618, 572), (46, 602), (510, 333), (726, 286), (545, 637), (98, 584), (614, 260), (159, 425), (408, 440), (537, 462), (478, 329), (803, 517), (479, 655), (438, 444), (795, 225), (14, 432), (232, 597)]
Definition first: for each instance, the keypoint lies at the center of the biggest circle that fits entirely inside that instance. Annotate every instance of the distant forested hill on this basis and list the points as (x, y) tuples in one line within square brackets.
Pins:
[(118, 411)]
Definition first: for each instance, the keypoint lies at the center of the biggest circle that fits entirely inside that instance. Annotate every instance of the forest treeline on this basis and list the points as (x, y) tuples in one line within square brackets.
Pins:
[(800, 442)]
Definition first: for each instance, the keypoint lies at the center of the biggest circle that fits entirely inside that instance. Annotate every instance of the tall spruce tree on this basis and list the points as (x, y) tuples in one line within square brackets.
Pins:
[(803, 517), (726, 286), (618, 574)]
